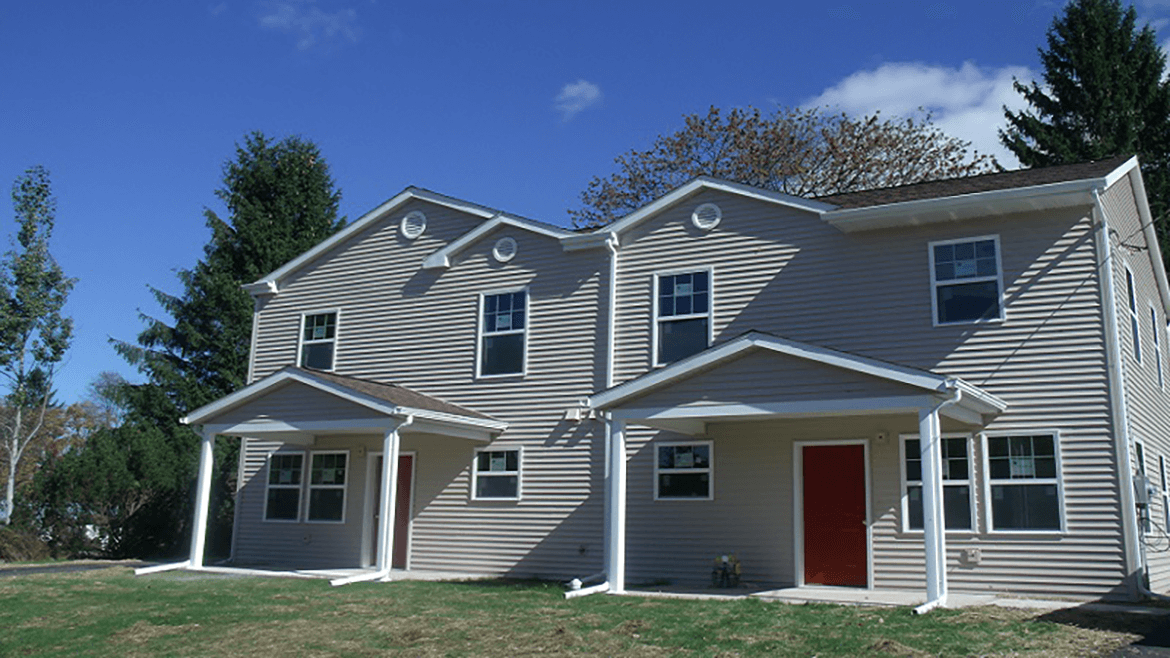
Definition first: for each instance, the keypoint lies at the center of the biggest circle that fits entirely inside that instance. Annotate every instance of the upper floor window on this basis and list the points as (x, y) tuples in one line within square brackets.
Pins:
[(683, 470), (1157, 346), (1023, 474), (502, 332), (496, 475), (956, 477), (682, 315), (1133, 317), (966, 276), (318, 340)]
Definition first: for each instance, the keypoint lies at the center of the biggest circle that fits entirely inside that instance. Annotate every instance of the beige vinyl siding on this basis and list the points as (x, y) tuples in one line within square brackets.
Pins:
[(399, 323), (1147, 405), (785, 272)]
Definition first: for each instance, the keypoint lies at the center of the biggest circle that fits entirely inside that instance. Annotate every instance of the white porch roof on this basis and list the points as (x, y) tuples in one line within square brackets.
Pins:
[(875, 387)]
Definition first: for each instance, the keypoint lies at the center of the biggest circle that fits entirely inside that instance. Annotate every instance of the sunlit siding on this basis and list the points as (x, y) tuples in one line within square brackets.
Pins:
[(399, 323), (786, 272), (1147, 404)]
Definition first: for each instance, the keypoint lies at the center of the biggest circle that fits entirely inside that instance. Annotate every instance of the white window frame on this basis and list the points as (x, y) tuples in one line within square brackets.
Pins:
[(656, 319), (998, 278), (969, 482), (1165, 495), (336, 340), (300, 486), (480, 333), (1134, 324), (710, 470), (519, 473), (344, 487), (1158, 365), (989, 519)]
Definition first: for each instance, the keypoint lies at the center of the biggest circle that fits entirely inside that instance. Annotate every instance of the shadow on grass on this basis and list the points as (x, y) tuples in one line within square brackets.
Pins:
[(1154, 628)]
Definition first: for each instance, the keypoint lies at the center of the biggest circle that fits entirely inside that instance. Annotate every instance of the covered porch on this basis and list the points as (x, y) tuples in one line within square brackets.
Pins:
[(345, 426), (788, 449)]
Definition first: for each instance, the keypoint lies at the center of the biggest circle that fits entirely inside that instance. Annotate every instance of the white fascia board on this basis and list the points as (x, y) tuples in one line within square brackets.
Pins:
[(248, 393), (1134, 172), (978, 399), (441, 259), (270, 284), (445, 419), (705, 183), (801, 408), (712, 357), (926, 211)]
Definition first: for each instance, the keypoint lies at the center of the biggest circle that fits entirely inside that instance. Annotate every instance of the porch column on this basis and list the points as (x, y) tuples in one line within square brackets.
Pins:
[(202, 498), (615, 554), (390, 446), (933, 522)]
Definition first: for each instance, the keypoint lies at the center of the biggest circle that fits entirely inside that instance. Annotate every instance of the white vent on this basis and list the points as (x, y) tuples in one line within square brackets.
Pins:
[(505, 249), (413, 224), (707, 216)]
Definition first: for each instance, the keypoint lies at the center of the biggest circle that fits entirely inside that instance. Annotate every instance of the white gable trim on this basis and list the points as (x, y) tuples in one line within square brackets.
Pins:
[(927, 381), (441, 259), (1134, 172), (270, 284), (207, 414)]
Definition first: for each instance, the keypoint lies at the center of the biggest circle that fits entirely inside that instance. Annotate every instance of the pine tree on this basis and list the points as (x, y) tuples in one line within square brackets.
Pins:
[(1104, 94)]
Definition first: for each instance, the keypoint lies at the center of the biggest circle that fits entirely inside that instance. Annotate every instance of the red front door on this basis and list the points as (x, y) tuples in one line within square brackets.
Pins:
[(401, 509), (835, 546)]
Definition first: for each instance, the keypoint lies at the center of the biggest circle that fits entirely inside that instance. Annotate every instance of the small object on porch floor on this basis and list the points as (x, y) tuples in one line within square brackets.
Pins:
[(726, 571)]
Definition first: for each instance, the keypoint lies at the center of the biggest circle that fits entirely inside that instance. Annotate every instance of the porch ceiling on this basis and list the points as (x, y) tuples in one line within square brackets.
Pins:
[(759, 377), (296, 405)]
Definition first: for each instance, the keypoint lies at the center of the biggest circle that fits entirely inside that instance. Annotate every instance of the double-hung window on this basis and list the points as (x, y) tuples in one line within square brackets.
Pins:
[(1139, 453), (682, 315), (502, 330), (1133, 317), (956, 477), (1165, 495), (327, 486), (318, 340), (683, 470), (283, 499), (967, 280), (496, 475), (1154, 327), (1023, 480)]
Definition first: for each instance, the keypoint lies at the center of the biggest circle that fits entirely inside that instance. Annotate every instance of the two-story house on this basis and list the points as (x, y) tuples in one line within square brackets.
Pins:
[(957, 386)]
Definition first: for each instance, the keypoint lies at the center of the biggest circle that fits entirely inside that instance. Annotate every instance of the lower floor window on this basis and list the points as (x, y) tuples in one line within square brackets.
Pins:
[(496, 475), (683, 470), (1023, 482), (283, 501), (327, 486), (956, 476)]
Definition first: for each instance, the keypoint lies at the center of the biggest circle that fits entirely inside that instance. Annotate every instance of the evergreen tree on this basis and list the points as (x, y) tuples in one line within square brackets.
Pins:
[(281, 201), (1104, 94)]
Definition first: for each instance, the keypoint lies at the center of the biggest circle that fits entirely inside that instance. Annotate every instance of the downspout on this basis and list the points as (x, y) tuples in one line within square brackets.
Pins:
[(1134, 551), (385, 507), (611, 244), (936, 549)]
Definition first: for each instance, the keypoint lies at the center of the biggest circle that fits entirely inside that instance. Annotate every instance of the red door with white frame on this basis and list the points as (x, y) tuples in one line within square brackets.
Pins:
[(835, 523), (401, 509)]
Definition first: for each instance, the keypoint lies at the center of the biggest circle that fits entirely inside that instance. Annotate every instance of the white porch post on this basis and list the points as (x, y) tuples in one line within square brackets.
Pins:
[(933, 523), (390, 446), (615, 554), (202, 499)]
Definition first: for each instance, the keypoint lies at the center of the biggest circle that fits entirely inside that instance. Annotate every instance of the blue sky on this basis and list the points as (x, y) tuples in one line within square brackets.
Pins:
[(134, 106)]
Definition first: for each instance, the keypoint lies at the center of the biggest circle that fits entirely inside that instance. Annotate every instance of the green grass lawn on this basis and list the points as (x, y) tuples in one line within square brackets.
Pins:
[(112, 613)]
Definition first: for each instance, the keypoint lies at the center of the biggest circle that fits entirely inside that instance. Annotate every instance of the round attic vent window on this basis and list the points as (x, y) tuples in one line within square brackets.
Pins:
[(413, 224), (505, 249), (707, 216)]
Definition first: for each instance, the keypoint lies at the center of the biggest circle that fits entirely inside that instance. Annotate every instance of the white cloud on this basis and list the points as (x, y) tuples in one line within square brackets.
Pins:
[(576, 97), (308, 23), (966, 102)]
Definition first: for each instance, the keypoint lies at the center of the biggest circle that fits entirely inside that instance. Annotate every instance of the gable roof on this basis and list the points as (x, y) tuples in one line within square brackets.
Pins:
[(442, 258), (270, 283), (389, 399), (970, 398)]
